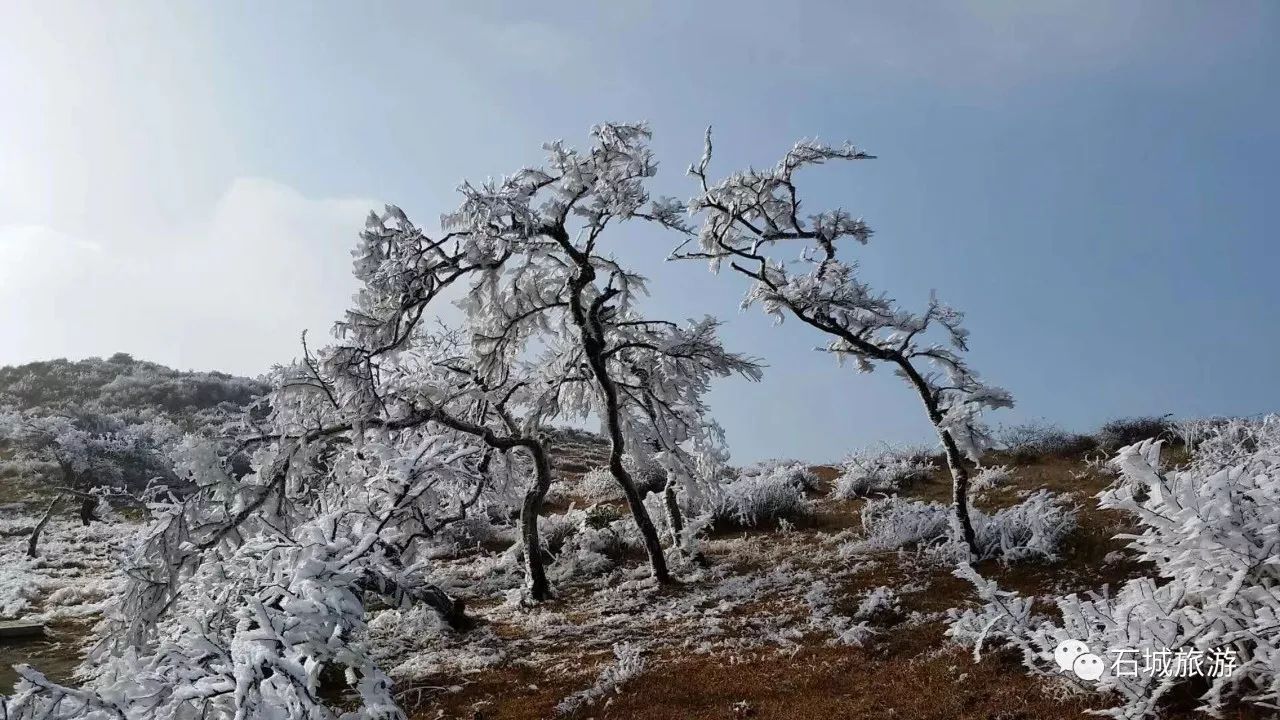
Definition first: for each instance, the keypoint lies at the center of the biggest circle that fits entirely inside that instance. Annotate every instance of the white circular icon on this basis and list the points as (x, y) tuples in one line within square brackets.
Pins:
[(1088, 666), (1067, 652)]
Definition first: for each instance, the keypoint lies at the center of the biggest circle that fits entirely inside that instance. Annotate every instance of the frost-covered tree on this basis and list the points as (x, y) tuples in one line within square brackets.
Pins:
[(549, 314), (431, 380), (85, 451), (751, 217)]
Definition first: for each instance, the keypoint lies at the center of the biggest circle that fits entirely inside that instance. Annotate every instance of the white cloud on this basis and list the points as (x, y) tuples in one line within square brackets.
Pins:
[(233, 293)]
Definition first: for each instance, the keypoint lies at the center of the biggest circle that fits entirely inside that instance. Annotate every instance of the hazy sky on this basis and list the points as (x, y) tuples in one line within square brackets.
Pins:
[(1094, 183)]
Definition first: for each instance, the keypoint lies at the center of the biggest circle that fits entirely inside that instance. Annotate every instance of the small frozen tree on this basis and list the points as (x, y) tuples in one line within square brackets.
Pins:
[(745, 217), (550, 316)]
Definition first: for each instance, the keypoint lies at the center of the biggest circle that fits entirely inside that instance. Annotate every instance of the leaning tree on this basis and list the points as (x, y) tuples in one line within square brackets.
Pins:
[(746, 220)]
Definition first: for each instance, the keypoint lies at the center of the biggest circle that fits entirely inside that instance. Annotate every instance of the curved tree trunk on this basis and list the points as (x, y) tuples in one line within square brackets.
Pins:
[(617, 447), (591, 333), (960, 521), (539, 587), (535, 570)]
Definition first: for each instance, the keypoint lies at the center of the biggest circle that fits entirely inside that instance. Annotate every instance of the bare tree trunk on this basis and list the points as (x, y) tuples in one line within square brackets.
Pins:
[(591, 333), (34, 540), (88, 506), (961, 523), (536, 573), (674, 517), (652, 545)]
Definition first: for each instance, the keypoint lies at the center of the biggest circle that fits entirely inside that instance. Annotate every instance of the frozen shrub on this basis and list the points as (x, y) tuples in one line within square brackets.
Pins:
[(1209, 531), (472, 530), (795, 471), (1034, 528), (990, 478), (1121, 432), (868, 473), (1038, 439), (880, 601), (753, 500), (558, 528), (629, 662), (587, 543), (893, 522), (598, 485), (602, 516)]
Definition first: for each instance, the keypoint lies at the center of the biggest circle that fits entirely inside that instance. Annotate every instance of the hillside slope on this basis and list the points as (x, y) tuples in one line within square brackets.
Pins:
[(122, 385)]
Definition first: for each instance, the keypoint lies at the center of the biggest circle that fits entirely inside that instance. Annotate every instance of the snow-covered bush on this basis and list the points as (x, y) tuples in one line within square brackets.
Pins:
[(1034, 528), (894, 522), (878, 602), (588, 542), (1038, 439), (1122, 432), (868, 473), (990, 478), (754, 500), (796, 472), (1209, 529), (598, 485), (628, 663)]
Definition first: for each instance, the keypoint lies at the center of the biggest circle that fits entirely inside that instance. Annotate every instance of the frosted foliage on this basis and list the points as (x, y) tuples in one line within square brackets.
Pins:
[(87, 451), (868, 473), (1208, 529), (598, 485), (990, 478), (628, 663), (751, 500), (747, 218), (1032, 529), (796, 472), (237, 597)]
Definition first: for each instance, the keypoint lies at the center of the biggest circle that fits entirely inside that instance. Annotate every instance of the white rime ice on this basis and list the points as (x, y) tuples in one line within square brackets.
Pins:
[(1209, 530)]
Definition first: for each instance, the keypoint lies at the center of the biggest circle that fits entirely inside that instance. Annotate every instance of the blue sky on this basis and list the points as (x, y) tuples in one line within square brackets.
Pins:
[(1093, 183)]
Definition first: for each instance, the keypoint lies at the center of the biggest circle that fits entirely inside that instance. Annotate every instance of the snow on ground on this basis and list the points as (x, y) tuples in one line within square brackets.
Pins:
[(75, 571), (748, 595)]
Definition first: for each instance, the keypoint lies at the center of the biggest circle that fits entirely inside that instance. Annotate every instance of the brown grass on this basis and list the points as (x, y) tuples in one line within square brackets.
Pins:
[(907, 670)]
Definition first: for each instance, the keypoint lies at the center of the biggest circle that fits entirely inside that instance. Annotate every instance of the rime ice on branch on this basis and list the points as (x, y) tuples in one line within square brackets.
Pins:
[(748, 215), (553, 330)]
